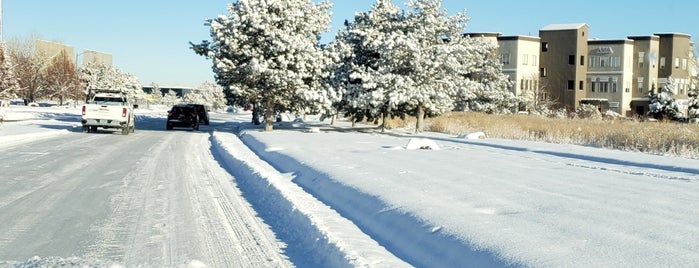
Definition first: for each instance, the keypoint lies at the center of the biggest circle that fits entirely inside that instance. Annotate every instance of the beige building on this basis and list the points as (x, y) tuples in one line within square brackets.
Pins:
[(52, 49), (563, 62), (610, 75), (675, 54), (94, 58), (645, 71), (519, 56)]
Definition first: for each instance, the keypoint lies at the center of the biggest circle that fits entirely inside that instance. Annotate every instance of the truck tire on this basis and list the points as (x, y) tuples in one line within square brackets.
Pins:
[(93, 129), (125, 130)]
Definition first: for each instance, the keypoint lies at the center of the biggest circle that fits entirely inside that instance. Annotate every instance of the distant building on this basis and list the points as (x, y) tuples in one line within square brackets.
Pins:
[(610, 75), (52, 49), (520, 56), (645, 71), (94, 58), (563, 64)]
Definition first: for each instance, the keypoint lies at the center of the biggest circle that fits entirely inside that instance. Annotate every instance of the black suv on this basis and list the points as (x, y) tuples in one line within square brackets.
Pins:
[(183, 115), (203, 113)]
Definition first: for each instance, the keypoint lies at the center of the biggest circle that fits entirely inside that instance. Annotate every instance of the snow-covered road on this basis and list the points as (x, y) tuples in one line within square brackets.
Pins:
[(152, 198)]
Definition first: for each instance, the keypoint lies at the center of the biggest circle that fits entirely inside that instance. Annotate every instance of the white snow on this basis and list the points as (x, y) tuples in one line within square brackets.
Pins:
[(350, 198)]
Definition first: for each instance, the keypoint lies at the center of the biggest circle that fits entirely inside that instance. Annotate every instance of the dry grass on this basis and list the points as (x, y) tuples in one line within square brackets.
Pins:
[(666, 138)]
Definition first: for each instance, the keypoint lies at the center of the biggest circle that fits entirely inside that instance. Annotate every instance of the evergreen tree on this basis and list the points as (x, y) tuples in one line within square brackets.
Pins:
[(662, 105), (8, 81), (266, 53), (693, 105), (486, 87), (359, 45), (100, 76)]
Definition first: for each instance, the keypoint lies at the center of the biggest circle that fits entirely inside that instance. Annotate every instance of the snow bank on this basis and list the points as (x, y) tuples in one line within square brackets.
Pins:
[(409, 237), (316, 235)]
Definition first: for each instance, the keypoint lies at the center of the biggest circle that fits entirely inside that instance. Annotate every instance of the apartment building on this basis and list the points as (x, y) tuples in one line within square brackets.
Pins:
[(520, 56), (610, 75), (563, 63)]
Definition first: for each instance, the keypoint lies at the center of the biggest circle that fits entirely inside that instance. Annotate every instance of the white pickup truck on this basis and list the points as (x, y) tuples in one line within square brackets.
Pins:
[(109, 109)]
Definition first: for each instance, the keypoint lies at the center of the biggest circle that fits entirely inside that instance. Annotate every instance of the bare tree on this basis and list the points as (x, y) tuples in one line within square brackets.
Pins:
[(61, 80), (538, 100), (28, 68)]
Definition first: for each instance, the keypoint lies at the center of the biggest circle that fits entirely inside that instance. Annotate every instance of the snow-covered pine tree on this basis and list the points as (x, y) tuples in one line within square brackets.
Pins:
[(430, 61), (8, 81), (486, 88), (101, 76), (267, 53), (693, 105), (662, 105), (212, 95), (362, 71)]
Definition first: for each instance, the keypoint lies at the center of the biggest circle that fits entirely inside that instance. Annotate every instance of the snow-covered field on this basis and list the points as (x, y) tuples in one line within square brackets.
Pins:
[(343, 197)]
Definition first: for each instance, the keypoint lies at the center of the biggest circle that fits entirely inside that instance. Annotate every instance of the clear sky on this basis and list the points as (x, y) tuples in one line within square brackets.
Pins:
[(150, 38)]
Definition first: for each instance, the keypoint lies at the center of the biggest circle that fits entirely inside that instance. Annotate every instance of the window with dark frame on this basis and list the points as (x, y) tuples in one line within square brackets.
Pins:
[(571, 59), (544, 47), (571, 85)]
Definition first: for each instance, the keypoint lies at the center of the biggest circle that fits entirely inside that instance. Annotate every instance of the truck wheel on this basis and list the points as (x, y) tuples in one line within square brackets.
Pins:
[(86, 129), (93, 129), (125, 130)]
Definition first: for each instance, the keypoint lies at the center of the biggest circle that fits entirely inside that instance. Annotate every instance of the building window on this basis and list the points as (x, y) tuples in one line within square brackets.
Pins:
[(582, 85), (677, 63), (582, 60), (544, 47), (684, 64), (525, 59), (641, 59), (640, 87), (543, 73), (615, 62), (571, 85), (533, 60), (593, 84), (505, 58), (571, 59), (614, 86), (662, 63)]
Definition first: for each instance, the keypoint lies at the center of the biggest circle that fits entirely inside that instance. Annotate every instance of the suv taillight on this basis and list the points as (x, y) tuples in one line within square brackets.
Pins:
[(83, 109), (123, 112)]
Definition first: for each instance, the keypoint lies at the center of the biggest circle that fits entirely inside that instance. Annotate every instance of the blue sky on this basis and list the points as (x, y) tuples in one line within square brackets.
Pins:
[(150, 38)]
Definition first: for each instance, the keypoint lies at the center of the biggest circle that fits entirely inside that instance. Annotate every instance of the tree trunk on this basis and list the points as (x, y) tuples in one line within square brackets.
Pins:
[(384, 119), (420, 125), (256, 114), (269, 117), (332, 119)]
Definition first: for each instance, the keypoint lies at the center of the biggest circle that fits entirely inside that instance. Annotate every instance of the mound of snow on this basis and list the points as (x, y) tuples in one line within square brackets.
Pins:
[(421, 144), (473, 136)]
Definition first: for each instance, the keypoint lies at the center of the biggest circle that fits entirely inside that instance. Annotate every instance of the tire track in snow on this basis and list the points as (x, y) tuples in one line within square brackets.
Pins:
[(181, 207)]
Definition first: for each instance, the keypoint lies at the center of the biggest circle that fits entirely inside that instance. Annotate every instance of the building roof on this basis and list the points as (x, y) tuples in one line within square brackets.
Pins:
[(519, 37), (561, 27), (673, 34)]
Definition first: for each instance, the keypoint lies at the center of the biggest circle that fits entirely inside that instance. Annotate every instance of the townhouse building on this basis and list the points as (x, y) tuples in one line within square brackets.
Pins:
[(645, 72), (615, 75), (520, 56), (610, 75), (563, 62)]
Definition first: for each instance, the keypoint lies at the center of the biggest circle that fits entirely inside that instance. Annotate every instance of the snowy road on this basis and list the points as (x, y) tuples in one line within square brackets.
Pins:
[(154, 198)]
